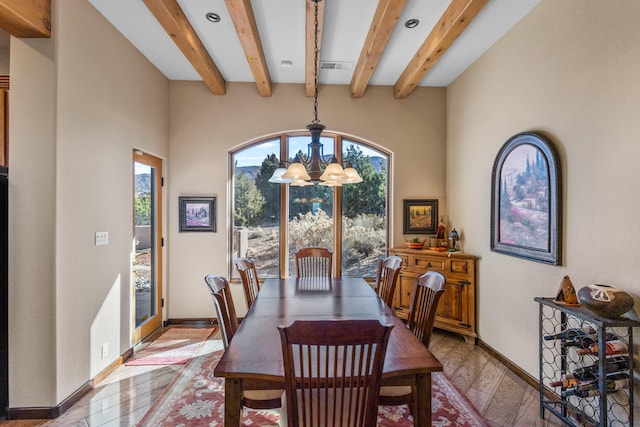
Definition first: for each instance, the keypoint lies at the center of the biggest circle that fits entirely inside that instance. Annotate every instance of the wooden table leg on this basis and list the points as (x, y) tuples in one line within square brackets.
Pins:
[(232, 401), (423, 386)]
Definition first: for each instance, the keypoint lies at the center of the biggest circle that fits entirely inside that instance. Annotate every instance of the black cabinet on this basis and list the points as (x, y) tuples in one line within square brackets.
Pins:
[(561, 357)]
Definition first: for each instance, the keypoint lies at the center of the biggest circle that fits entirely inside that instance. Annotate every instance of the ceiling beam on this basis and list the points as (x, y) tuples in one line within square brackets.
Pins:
[(384, 21), (175, 23), (452, 23), (26, 18), (309, 76), (245, 23)]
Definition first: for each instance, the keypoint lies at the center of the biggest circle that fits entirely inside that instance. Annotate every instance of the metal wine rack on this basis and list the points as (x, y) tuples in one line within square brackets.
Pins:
[(608, 408)]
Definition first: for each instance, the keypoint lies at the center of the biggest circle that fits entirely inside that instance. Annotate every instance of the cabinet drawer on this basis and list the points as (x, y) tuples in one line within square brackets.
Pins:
[(425, 263), (460, 269)]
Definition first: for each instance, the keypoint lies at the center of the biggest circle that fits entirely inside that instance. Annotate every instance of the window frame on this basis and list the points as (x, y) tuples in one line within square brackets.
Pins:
[(337, 214)]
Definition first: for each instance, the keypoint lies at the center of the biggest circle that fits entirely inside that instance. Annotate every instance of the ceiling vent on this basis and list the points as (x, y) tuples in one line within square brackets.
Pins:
[(335, 65)]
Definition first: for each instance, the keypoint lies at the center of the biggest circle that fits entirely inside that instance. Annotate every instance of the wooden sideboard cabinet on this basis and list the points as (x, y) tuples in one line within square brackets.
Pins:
[(456, 310)]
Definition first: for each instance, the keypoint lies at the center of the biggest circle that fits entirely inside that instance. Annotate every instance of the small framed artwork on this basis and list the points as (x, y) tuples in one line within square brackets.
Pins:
[(526, 200), (197, 213), (420, 216)]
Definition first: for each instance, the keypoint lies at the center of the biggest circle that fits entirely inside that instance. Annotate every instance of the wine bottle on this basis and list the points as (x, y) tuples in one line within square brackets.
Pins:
[(614, 381), (584, 341), (569, 334), (590, 373), (567, 381), (612, 347)]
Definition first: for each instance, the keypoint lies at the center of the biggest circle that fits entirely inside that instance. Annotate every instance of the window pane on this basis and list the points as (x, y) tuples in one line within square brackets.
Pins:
[(364, 211), (143, 268), (310, 207), (256, 206)]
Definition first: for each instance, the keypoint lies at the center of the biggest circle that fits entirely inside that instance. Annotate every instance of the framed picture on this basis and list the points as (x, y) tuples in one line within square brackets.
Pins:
[(420, 216), (526, 200), (197, 214)]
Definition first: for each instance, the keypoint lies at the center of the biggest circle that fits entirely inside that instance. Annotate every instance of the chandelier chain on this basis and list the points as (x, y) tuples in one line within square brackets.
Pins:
[(316, 54)]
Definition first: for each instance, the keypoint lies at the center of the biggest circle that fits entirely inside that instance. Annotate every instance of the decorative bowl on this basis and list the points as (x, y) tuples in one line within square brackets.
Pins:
[(415, 243), (605, 300)]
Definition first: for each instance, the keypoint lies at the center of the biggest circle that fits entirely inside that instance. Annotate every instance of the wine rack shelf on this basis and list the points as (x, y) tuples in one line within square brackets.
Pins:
[(605, 405)]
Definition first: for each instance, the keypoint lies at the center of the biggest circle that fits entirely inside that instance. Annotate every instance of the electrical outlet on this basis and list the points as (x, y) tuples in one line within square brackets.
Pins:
[(105, 350), (102, 238)]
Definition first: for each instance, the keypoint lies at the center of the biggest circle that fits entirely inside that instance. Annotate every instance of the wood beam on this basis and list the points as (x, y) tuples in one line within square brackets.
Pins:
[(452, 23), (175, 23), (309, 79), (26, 18), (384, 21), (243, 19)]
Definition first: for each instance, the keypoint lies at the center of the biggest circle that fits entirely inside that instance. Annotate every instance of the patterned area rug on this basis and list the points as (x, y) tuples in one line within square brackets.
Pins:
[(196, 398), (174, 347)]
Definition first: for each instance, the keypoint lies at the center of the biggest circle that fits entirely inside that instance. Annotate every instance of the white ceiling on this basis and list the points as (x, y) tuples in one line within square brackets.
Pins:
[(281, 26)]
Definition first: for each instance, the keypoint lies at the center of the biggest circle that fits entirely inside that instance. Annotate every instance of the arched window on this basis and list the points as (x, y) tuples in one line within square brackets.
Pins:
[(272, 221)]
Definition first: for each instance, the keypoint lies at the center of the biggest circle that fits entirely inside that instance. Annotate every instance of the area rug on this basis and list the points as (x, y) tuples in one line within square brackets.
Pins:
[(196, 398), (175, 347)]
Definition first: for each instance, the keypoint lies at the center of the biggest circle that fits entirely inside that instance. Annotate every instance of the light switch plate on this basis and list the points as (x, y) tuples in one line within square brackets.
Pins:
[(102, 238)]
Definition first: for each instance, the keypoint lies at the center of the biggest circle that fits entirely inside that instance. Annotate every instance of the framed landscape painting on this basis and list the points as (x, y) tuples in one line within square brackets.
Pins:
[(197, 213), (526, 199), (420, 216)]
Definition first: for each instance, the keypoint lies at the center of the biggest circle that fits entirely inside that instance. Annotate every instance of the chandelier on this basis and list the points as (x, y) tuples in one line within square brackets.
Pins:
[(296, 174)]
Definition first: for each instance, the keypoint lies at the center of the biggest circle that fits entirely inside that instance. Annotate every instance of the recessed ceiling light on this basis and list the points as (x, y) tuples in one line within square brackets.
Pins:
[(213, 17), (411, 23)]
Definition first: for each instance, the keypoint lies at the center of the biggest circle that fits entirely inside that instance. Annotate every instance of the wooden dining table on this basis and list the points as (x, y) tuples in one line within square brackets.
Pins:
[(253, 360)]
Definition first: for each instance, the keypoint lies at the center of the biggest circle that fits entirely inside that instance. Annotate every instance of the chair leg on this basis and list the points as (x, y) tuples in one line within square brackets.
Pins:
[(413, 402)]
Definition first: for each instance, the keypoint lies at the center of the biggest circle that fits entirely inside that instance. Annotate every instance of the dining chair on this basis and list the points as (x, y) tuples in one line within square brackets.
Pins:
[(388, 272), (425, 296), (249, 278), (228, 322), (332, 371), (314, 262), (225, 310)]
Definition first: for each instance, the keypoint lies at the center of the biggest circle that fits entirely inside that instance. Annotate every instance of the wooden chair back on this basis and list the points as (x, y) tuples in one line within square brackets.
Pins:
[(388, 272), (333, 370), (314, 262), (228, 322), (425, 296), (225, 310), (249, 277)]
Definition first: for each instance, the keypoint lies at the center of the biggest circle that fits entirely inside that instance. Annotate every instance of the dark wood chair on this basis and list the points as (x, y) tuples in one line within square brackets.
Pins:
[(314, 262), (425, 296), (228, 322), (388, 272), (225, 310), (249, 277), (332, 370)]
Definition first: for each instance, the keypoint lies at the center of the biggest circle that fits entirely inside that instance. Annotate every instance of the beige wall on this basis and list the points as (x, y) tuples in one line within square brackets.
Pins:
[(205, 127), (81, 101), (32, 222), (569, 70)]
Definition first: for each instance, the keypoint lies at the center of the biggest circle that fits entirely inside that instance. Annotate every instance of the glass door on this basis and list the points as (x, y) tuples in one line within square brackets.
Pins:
[(146, 265)]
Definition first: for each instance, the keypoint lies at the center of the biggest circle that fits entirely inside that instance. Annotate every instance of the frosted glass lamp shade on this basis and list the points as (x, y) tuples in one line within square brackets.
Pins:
[(333, 172), (300, 183), (331, 183), (352, 175), (296, 172), (277, 178)]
